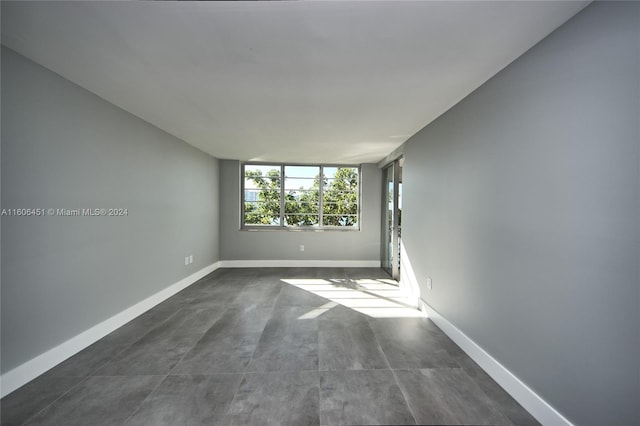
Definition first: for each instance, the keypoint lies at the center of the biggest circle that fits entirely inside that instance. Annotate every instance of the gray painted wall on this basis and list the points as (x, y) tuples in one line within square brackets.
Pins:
[(522, 203), (63, 147), (284, 245)]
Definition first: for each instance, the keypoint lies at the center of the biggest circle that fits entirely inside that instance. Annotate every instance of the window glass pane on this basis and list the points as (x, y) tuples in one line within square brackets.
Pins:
[(301, 220), (262, 194), (296, 207), (301, 171), (330, 172), (261, 177), (301, 177), (264, 169), (344, 178), (302, 196), (260, 213), (342, 220), (251, 194), (340, 196), (307, 196)]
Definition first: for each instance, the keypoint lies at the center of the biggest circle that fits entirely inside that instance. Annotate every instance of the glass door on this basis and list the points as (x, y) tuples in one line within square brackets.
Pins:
[(391, 218)]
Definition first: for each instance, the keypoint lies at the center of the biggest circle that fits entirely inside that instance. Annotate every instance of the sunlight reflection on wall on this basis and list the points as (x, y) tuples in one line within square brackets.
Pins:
[(408, 281)]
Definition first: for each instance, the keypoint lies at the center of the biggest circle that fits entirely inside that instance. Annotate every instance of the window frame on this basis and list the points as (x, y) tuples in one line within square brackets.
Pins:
[(282, 226)]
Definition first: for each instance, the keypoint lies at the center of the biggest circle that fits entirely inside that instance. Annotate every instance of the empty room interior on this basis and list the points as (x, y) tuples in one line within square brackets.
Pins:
[(320, 213)]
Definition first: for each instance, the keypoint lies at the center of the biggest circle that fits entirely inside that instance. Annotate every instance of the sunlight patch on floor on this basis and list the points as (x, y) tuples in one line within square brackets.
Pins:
[(377, 298)]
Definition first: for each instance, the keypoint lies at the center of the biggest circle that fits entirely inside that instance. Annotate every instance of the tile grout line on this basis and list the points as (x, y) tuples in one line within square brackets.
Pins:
[(244, 373), (273, 308), (493, 404), (319, 381), (133, 413), (404, 396), (145, 398), (84, 379), (196, 342), (202, 336), (247, 372), (497, 407), (395, 378), (129, 345), (235, 393), (91, 373), (344, 276)]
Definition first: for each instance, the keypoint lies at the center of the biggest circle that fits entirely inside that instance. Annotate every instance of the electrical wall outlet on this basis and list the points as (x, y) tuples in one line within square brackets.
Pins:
[(186, 260), (429, 283), (190, 258), (301, 247)]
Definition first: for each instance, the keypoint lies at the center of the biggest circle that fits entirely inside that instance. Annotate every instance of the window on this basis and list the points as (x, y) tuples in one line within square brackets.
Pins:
[(300, 196)]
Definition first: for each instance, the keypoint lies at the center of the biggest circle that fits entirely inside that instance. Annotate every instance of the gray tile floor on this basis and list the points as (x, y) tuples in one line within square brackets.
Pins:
[(272, 346)]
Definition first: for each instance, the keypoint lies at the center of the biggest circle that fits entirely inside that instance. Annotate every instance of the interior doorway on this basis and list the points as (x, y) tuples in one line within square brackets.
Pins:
[(391, 218)]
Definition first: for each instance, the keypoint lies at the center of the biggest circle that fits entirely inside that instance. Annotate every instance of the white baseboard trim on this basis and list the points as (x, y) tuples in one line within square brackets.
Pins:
[(531, 401), (28, 371), (299, 263)]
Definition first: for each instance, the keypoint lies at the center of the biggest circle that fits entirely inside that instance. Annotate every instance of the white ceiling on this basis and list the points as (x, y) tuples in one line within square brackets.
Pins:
[(339, 82)]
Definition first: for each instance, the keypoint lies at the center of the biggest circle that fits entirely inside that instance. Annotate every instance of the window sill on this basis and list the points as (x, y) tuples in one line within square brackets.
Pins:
[(283, 229)]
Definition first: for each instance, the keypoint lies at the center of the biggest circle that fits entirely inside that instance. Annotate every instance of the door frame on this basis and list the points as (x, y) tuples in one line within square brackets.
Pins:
[(394, 268)]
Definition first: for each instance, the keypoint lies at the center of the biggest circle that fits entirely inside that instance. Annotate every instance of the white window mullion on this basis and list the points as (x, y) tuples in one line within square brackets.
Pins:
[(320, 194), (282, 185)]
